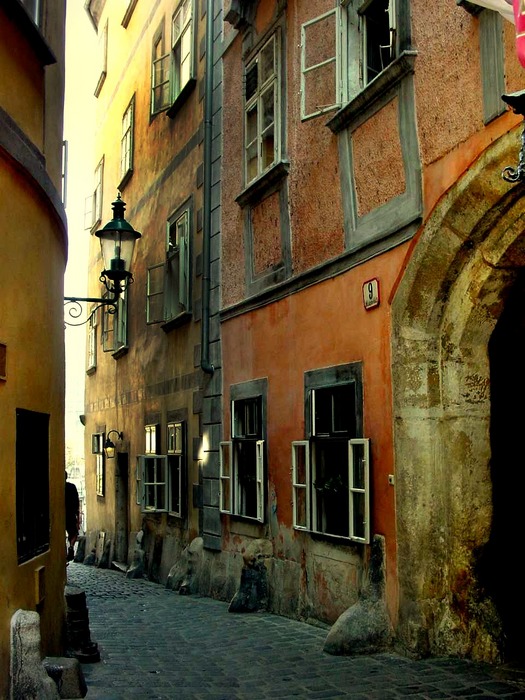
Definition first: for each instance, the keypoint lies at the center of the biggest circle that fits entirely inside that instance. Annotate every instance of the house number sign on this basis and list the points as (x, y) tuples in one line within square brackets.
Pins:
[(371, 293)]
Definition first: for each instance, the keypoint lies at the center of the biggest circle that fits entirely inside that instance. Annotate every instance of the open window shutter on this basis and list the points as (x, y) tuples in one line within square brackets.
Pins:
[(183, 268), (320, 82), (226, 492), (300, 484), (260, 480), (155, 293), (392, 23), (359, 481)]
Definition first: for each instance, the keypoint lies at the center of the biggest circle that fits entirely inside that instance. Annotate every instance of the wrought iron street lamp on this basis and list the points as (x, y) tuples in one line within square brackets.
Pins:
[(117, 241), (109, 445)]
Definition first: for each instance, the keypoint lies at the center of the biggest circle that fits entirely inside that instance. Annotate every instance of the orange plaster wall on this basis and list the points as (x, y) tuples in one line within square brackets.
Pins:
[(322, 326)]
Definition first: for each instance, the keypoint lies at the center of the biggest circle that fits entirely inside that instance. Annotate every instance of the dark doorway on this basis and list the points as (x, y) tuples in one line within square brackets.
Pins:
[(121, 506), (502, 562)]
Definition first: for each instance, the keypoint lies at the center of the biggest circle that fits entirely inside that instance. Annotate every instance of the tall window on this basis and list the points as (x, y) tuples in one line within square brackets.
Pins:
[(242, 461), (174, 72), (261, 110), (93, 205), (168, 282), (160, 478), (92, 341), (343, 50), (126, 143), (330, 470), (102, 59), (32, 483), (97, 448), (115, 325)]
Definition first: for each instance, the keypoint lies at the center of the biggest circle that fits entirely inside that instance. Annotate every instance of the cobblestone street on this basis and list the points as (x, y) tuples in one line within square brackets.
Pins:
[(156, 644)]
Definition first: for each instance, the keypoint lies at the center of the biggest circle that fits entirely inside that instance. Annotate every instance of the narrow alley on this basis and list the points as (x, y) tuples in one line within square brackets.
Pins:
[(156, 644)]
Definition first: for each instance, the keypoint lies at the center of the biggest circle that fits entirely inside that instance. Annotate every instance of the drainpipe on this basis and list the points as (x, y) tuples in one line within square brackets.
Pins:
[(206, 366)]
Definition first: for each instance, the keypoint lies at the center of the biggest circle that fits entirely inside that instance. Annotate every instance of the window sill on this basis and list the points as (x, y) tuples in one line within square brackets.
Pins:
[(334, 539), (120, 352), (385, 81), (176, 322), (259, 187), (181, 98), (125, 179)]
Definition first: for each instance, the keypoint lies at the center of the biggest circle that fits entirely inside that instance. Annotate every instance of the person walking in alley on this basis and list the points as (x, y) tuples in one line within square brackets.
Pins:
[(72, 517)]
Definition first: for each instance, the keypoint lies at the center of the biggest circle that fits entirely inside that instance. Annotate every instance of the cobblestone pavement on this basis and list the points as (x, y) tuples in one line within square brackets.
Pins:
[(156, 644)]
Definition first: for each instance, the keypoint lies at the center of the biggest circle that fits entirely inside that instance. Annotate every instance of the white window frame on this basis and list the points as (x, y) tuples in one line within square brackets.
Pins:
[(102, 59), (92, 340), (167, 67), (97, 448), (175, 441), (301, 487), (168, 285), (158, 485), (127, 141), (350, 54), (151, 438), (255, 101), (231, 492), (115, 325)]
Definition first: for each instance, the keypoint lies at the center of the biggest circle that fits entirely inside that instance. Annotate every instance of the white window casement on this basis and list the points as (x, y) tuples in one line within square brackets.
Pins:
[(102, 59), (115, 325), (97, 448), (92, 341), (173, 73), (160, 478), (168, 283), (344, 50), (127, 144), (331, 470), (151, 433), (93, 204), (262, 147), (242, 462), (175, 450)]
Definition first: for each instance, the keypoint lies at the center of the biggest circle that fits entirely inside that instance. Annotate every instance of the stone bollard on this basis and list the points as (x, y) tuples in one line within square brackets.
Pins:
[(29, 680), (78, 637), (252, 595)]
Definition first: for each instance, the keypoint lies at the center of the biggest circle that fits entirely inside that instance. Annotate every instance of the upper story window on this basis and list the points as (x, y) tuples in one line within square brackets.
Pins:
[(344, 50), (168, 282), (330, 470), (93, 205), (102, 59), (129, 11), (92, 342), (173, 73), (262, 110), (127, 144), (97, 448), (115, 326), (242, 459), (161, 478)]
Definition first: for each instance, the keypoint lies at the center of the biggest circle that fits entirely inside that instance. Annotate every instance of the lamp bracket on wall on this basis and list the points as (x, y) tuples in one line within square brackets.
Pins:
[(117, 241), (516, 101)]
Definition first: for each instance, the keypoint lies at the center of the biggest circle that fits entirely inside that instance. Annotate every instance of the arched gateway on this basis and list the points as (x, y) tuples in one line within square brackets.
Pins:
[(459, 415)]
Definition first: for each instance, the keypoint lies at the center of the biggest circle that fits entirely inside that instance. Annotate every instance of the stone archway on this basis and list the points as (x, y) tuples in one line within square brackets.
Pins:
[(465, 263)]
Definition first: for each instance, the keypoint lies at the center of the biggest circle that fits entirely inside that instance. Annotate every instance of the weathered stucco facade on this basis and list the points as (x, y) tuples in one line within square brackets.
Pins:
[(345, 448), (34, 251)]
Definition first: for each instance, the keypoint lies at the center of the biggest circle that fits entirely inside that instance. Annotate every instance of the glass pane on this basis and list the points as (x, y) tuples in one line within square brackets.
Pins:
[(161, 497), (378, 52), (358, 519), (320, 88), (251, 81), (161, 471), (300, 507), (251, 162), (175, 467), (225, 494), (246, 468), (251, 124), (178, 437), (225, 465), (359, 466), (268, 148), (268, 108), (300, 464), (320, 41), (150, 471), (150, 496), (266, 61), (330, 469)]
